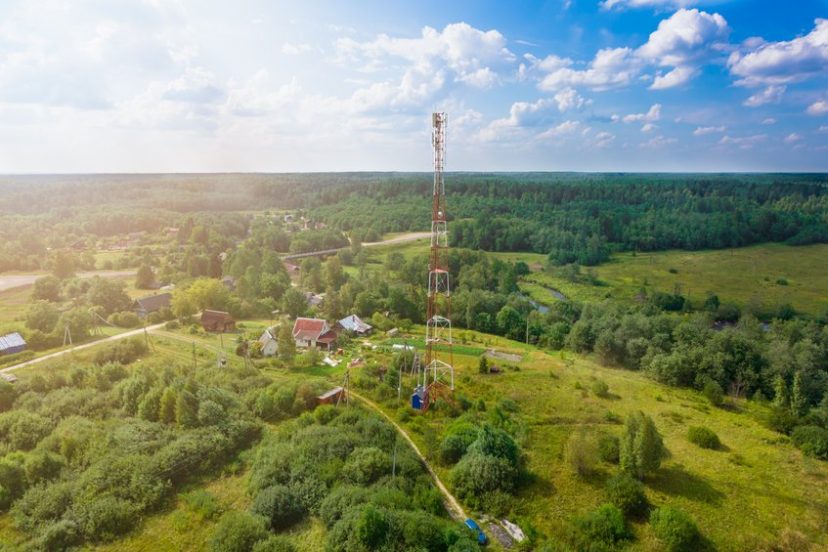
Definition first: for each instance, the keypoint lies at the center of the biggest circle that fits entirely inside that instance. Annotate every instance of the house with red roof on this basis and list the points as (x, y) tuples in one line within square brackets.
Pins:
[(313, 332)]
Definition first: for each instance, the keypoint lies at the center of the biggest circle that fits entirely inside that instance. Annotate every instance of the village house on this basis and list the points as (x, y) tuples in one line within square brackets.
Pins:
[(153, 303), (12, 343), (313, 332), (355, 324), (217, 321), (268, 342)]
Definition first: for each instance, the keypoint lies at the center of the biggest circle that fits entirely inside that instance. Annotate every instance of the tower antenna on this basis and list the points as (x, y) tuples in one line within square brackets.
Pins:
[(439, 362)]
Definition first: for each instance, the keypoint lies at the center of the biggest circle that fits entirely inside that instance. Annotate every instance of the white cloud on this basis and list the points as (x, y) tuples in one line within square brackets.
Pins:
[(771, 94), (658, 141), (612, 67), (295, 49), (522, 115), (782, 62), (648, 127), (683, 41), (818, 108), (603, 139), (567, 127), (611, 4), (653, 114), (703, 131), (769, 121), (823, 128), (792, 138), (743, 142), (568, 98)]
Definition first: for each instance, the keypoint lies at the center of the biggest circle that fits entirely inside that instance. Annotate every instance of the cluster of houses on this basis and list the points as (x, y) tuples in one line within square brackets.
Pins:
[(315, 332)]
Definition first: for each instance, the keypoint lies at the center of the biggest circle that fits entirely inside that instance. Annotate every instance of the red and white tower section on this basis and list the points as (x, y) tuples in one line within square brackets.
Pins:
[(439, 369)]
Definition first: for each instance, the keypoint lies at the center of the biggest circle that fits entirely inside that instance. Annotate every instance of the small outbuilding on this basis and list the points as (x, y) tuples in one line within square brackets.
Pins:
[(8, 377), (270, 345), (152, 303), (331, 397), (12, 343), (355, 324), (217, 321)]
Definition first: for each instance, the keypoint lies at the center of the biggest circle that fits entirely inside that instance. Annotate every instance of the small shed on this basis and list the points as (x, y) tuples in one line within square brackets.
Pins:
[(268, 342), (355, 324), (152, 303), (418, 398), (331, 397), (12, 343), (217, 321), (10, 378)]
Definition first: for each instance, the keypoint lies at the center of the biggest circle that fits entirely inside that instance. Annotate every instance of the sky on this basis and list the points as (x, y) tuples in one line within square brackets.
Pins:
[(270, 86)]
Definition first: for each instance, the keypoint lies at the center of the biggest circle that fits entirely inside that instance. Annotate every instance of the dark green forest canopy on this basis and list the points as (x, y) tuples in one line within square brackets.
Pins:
[(574, 217)]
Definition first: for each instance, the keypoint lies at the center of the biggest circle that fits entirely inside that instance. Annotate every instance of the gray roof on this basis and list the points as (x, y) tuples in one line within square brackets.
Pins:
[(11, 340), (154, 302), (355, 324)]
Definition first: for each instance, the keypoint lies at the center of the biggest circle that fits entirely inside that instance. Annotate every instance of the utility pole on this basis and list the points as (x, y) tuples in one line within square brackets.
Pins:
[(194, 356)]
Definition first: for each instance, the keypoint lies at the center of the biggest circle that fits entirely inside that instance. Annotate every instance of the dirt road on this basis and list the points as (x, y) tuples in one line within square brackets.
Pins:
[(9, 281)]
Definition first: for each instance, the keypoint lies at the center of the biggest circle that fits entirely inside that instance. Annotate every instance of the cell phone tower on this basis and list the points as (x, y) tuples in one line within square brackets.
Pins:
[(439, 363)]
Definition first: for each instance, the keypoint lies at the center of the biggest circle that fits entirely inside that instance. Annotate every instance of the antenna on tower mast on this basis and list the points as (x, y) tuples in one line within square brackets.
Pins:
[(438, 369)]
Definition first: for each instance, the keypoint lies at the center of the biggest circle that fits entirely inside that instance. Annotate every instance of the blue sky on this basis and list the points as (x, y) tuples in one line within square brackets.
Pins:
[(585, 85)]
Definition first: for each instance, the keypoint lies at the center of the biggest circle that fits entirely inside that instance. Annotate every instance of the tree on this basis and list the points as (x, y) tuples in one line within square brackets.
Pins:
[(149, 406), (334, 275), (107, 294), (64, 265), (581, 453), (144, 277), (77, 321), (799, 402), (208, 293), (42, 316), (186, 409), (510, 323), (286, 343), (294, 303), (279, 506), (483, 365), (182, 305), (311, 273), (46, 288), (780, 392), (166, 408), (641, 446), (675, 529), (626, 493)]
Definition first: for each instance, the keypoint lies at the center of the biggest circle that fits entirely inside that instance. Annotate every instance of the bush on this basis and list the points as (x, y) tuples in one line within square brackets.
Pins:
[(124, 319), (123, 351), (105, 518), (202, 503), (812, 440), (605, 525), (580, 453), (713, 392), (609, 448), (675, 529), (703, 437), (59, 536), (456, 443), (274, 543), (238, 532), (278, 505), (627, 494), (478, 474), (600, 388), (366, 465)]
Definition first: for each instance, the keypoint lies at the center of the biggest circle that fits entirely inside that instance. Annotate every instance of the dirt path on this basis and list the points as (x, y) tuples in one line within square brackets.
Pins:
[(57, 354), (10, 281), (410, 236), (453, 504)]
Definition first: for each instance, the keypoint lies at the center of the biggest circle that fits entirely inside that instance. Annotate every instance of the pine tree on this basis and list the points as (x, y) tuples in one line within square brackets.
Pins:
[(483, 365), (186, 410), (148, 407), (780, 392), (641, 446), (166, 409), (287, 346), (799, 403)]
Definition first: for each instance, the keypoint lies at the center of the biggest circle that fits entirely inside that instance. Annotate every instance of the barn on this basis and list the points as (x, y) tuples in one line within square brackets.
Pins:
[(12, 343), (331, 397), (152, 303), (217, 321)]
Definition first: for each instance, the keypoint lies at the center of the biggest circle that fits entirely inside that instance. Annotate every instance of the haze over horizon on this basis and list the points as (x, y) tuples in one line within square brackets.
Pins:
[(156, 86)]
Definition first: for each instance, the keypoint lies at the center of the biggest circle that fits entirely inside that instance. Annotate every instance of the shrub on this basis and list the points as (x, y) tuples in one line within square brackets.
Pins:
[(609, 448), (124, 319), (477, 474), (202, 503), (366, 465), (456, 443), (812, 440), (703, 437), (59, 536), (580, 453), (238, 532), (605, 525), (274, 543), (42, 504), (105, 518), (42, 466), (713, 392), (600, 388), (626, 493), (496, 442), (675, 529), (278, 505)]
